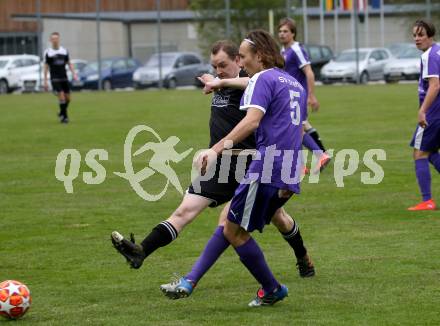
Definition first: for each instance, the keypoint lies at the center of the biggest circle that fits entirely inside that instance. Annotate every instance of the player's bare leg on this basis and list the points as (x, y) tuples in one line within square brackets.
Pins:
[(163, 233)]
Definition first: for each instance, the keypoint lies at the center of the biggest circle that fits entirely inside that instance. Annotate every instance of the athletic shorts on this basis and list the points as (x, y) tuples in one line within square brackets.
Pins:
[(254, 205), (221, 190), (61, 86), (427, 139)]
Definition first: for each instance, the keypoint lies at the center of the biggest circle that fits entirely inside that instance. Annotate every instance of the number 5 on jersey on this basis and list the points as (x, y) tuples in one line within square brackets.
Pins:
[(295, 114)]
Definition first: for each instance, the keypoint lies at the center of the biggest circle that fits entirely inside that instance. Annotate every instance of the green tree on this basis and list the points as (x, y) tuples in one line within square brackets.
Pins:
[(246, 15)]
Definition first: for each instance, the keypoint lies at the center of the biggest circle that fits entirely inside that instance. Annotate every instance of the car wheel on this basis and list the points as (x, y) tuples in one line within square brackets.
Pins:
[(390, 81), (364, 78), (107, 85), (172, 84), (3, 86)]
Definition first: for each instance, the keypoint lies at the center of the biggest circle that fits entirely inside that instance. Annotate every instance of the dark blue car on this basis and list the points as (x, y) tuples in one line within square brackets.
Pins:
[(115, 73)]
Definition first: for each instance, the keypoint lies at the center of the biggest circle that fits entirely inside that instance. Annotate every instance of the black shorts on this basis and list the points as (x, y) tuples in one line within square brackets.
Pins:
[(61, 86), (222, 190)]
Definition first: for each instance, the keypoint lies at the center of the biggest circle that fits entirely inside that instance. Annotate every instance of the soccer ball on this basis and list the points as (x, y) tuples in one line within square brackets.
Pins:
[(15, 299)]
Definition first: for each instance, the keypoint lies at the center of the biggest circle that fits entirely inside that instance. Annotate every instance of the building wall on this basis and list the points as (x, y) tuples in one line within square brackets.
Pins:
[(79, 37), (177, 36), (9, 7), (397, 29)]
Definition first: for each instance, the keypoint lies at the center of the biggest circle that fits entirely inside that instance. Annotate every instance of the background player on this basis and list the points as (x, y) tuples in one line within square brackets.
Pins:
[(56, 58), (297, 64), (426, 139)]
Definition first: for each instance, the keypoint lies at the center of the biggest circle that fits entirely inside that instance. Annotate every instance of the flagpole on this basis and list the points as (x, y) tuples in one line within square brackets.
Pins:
[(335, 20), (356, 37), (367, 25), (382, 24), (305, 23), (352, 27), (321, 21)]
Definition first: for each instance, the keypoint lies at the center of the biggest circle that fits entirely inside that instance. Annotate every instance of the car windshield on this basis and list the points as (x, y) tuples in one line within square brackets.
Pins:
[(93, 66), (350, 56), (411, 53), (397, 48), (167, 60), (3, 63)]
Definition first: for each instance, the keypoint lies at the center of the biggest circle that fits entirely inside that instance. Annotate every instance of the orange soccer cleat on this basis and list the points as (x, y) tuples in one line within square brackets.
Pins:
[(324, 160), (427, 205)]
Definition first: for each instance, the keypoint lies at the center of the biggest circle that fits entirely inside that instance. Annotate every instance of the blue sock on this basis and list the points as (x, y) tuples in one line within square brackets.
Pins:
[(434, 158), (252, 257), (423, 178), (213, 250), (310, 143)]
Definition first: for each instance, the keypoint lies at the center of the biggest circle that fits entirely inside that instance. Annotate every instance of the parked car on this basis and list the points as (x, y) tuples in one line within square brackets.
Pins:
[(343, 67), (31, 82), (115, 73), (319, 55), (396, 48), (406, 66), (178, 69), (12, 67)]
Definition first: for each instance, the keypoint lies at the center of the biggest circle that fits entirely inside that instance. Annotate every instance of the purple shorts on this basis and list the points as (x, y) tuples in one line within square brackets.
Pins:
[(427, 139), (254, 204)]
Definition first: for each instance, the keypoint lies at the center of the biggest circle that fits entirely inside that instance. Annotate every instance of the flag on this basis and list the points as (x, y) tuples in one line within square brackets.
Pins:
[(362, 5), (346, 5), (328, 5), (375, 4)]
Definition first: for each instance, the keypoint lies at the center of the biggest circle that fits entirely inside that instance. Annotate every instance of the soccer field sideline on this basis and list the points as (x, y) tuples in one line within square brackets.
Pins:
[(370, 253)]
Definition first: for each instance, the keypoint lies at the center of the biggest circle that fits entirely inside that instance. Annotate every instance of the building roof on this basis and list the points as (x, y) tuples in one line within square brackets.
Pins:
[(188, 15), (118, 16)]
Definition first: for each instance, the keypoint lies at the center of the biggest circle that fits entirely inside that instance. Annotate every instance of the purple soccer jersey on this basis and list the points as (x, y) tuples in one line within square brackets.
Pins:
[(296, 58), (279, 135), (430, 67)]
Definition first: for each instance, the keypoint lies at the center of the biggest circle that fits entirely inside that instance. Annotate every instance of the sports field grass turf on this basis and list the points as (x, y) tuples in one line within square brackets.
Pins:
[(376, 263)]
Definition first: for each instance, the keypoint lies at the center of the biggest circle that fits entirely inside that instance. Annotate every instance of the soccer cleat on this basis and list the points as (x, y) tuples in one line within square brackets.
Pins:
[(305, 267), (133, 253), (427, 205), (180, 287), (269, 299), (324, 160)]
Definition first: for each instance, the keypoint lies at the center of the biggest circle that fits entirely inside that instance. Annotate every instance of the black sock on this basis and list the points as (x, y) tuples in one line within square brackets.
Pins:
[(67, 105), (161, 235), (295, 240), (63, 109), (314, 134)]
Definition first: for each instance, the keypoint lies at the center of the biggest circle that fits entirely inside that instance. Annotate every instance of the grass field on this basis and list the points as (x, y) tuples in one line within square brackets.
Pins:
[(377, 264)]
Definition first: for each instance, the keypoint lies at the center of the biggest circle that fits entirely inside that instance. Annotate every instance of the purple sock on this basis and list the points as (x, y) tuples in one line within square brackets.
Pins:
[(252, 257), (423, 178), (310, 143), (213, 250), (434, 158)]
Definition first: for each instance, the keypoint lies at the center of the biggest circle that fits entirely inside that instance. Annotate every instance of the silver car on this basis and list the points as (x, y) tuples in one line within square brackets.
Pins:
[(343, 67), (406, 66), (178, 69)]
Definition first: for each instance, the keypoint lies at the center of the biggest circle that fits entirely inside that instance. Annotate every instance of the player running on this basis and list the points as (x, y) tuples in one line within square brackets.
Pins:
[(426, 139), (55, 60)]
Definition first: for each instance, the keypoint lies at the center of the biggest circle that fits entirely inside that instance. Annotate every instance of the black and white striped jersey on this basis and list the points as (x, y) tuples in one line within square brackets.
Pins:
[(57, 59)]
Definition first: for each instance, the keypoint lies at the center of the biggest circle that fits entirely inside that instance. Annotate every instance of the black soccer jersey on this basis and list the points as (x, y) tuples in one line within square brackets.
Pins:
[(226, 114), (57, 60)]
